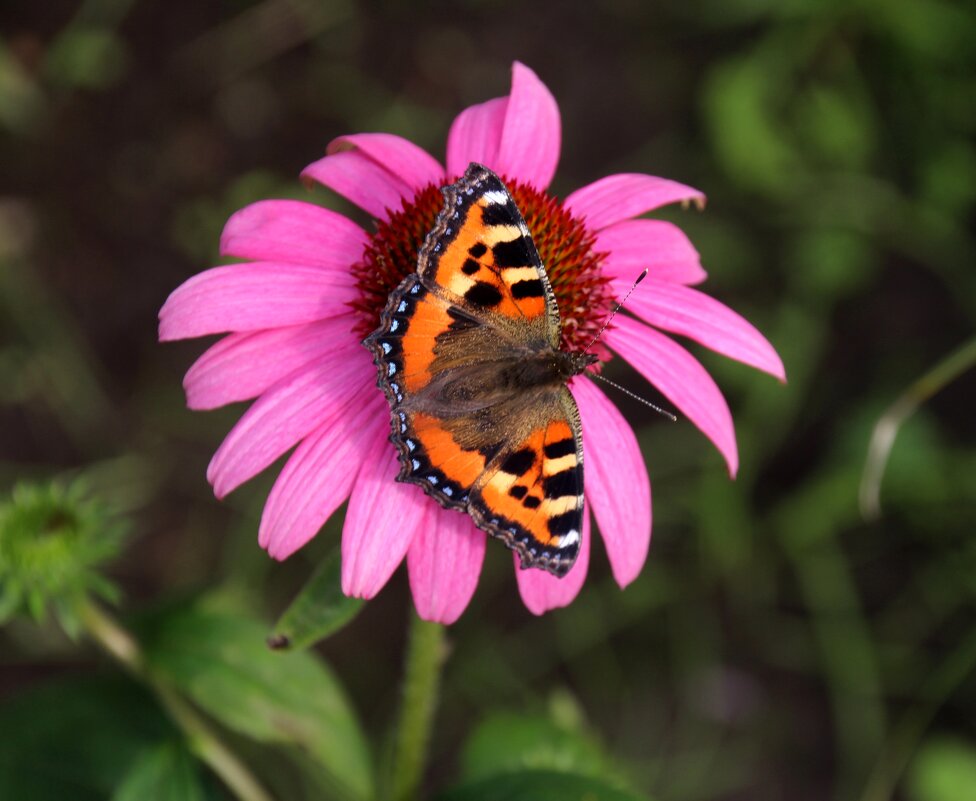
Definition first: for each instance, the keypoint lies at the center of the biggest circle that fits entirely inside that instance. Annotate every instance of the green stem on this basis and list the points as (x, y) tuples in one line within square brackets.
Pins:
[(426, 652), (203, 741), (886, 429)]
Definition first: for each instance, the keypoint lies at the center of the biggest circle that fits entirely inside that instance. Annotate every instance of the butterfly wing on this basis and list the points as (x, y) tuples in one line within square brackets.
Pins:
[(531, 496), (480, 256), (409, 350)]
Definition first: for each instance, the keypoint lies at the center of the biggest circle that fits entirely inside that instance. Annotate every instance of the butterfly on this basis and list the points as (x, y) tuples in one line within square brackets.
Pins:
[(468, 356)]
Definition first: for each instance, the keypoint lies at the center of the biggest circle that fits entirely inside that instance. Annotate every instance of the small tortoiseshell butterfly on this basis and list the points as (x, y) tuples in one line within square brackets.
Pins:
[(468, 357)]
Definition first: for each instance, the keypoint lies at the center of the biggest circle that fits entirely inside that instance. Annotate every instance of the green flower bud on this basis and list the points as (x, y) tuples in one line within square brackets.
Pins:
[(53, 540)]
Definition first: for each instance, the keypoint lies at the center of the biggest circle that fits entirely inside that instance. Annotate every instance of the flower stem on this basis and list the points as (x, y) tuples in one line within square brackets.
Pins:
[(201, 737), (426, 652)]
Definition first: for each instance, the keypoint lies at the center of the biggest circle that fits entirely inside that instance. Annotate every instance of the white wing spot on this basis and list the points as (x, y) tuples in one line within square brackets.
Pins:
[(496, 197), (571, 538), (402, 307), (387, 347), (394, 326)]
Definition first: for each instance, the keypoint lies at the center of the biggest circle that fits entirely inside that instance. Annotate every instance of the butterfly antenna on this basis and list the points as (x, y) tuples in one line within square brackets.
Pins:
[(616, 308), (633, 395), (614, 384)]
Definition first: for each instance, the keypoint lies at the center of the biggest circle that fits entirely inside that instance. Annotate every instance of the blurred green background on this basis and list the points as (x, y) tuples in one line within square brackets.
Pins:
[(777, 644)]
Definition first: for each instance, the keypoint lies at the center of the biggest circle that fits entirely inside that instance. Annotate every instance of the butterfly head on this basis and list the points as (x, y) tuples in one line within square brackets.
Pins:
[(577, 362)]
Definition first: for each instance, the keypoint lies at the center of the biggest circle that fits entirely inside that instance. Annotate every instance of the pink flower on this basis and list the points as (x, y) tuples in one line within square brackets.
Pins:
[(313, 282)]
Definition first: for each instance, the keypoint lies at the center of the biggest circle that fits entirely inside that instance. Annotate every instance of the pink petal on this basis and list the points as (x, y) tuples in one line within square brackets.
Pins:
[(246, 297), (242, 366), (444, 562), (529, 146), (616, 483), (693, 314), (320, 475), (293, 231), (362, 181), (400, 157), (384, 517), (474, 136), (542, 591), (292, 409), (680, 378), (660, 247), (620, 197)]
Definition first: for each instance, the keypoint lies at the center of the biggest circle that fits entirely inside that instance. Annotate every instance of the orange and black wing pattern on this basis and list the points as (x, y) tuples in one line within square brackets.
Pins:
[(532, 496), (449, 349), (481, 257), (406, 350)]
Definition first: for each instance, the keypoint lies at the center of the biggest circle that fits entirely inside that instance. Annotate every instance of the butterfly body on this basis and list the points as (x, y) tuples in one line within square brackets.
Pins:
[(468, 356)]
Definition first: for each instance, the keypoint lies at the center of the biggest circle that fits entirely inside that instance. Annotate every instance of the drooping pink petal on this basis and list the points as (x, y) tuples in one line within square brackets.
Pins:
[(680, 378), (444, 563), (398, 156), (383, 518), (248, 297), (293, 408), (293, 231), (620, 197), (475, 135), (362, 181), (320, 475), (659, 246), (242, 366), (542, 591), (616, 484), (693, 314), (531, 135)]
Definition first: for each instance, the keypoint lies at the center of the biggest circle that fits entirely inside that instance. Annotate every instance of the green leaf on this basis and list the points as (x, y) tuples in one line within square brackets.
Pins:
[(164, 773), (221, 661), (508, 743), (318, 611), (539, 785), (944, 770), (75, 739)]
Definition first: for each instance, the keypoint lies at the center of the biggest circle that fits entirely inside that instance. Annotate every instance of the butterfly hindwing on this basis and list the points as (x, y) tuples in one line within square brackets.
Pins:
[(531, 496)]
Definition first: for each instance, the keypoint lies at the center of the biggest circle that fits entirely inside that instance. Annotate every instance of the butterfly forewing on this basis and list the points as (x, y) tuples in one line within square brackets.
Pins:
[(481, 256)]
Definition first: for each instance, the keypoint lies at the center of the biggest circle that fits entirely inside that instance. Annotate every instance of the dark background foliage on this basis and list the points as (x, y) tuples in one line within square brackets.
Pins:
[(777, 645)]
